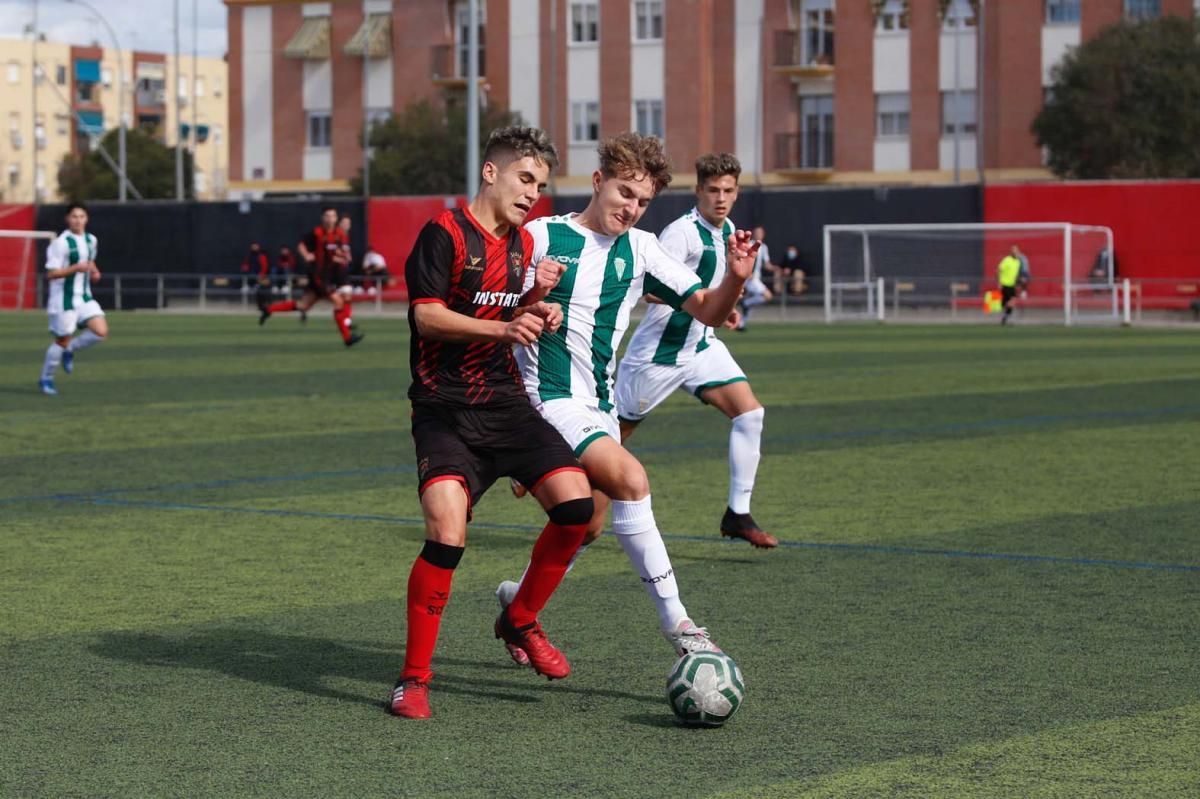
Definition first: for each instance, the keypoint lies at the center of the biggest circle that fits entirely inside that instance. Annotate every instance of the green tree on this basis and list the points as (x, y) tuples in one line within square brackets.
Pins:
[(149, 164), (1127, 104), (422, 150)]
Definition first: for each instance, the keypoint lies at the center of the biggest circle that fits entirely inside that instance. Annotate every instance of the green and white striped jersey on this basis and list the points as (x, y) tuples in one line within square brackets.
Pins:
[(666, 335), (75, 289), (602, 283)]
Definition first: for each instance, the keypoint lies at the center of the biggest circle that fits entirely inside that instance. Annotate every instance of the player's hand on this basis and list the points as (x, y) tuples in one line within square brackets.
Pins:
[(524, 330), (740, 252), (735, 319), (93, 271), (550, 313), (546, 275)]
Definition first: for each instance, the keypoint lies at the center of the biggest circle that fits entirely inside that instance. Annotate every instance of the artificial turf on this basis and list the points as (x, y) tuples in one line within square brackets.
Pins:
[(989, 583)]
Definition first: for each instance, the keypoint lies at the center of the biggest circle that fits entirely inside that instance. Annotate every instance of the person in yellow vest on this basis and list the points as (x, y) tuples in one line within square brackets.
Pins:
[(1008, 273)]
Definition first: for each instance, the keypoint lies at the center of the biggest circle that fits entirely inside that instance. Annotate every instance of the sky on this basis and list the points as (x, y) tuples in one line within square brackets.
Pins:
[(139, 24)]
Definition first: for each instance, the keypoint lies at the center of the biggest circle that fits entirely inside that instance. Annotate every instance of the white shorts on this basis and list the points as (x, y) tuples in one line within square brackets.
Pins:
[(755, 287), (65, 323), (642, 386), (580, 424)]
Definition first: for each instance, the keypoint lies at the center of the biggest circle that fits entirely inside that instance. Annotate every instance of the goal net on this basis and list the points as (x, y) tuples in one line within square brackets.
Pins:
[(885, 271), (20, 253)]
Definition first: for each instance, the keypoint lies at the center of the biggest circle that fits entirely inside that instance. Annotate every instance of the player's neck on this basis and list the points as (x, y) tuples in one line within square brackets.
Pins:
[(716, 223), (485, 214)]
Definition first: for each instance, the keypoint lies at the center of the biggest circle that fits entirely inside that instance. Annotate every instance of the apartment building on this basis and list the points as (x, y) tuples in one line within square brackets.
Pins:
[(802, 90), (74, 96)]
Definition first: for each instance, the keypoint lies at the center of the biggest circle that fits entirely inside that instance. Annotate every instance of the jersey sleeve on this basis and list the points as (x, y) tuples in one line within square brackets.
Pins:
[(56, 254), (95, 246), (428, 269), (541, 244), (676, 241), (666, 276)]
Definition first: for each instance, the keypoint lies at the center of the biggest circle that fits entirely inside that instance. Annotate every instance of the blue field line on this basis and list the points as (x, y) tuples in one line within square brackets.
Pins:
[(882, 549)]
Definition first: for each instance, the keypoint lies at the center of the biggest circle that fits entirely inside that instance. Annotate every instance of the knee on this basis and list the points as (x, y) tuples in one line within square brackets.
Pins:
[(573, 512), (750, 421), (633, 484)]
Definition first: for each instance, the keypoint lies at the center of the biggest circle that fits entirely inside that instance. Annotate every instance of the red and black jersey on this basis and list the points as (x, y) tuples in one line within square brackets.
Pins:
[(331, 249), (457, 263)]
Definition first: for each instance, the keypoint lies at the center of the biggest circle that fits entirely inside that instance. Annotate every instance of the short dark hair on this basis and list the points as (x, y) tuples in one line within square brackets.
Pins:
[(71, 207), (514, 142), (329, 208), (716, 165), (628, 154)]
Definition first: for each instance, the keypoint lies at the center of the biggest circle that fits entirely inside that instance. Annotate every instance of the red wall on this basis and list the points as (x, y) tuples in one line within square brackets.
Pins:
[(394, 223), (15, 253), (1153, 225)]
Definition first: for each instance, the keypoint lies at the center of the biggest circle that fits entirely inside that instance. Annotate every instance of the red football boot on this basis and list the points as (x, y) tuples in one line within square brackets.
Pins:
[(410, 699), (545, 658)]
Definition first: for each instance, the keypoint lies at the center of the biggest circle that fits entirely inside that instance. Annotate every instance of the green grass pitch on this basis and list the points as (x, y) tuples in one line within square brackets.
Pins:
[(990, 584)]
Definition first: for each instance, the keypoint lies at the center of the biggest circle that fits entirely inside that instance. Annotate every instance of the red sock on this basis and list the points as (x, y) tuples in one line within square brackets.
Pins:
[(283, 306), (547, 565), (428, 593), (341, 316)]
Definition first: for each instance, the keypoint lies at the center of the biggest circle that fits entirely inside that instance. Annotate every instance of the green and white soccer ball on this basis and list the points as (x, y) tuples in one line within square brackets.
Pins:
[(705, 689)]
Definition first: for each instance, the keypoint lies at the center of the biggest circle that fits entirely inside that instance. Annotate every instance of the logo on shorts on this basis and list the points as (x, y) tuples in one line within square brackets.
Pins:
[(422, 468), (591, 428)]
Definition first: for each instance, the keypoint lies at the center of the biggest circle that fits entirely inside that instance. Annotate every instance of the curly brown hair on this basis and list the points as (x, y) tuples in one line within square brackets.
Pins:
[(630, 155), (716, 165), (506, 145)]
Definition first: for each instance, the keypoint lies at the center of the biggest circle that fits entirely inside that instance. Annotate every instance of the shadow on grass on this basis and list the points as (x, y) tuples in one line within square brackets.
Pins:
[(304, 664)]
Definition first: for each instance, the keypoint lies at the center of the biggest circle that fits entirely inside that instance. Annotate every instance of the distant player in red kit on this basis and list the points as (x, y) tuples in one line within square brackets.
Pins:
[(326, 252), (471, 420)]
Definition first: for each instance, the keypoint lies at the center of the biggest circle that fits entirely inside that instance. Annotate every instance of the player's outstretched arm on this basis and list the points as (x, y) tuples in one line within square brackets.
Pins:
[(713, 306), (437, 322)]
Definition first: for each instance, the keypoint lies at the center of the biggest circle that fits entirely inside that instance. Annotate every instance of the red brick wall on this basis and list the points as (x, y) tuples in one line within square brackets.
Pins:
[(553, 79), (237, 121), (416, 28), (724, 34), (1013, 83), (287, 84), (497, 53), (780, 108), (1099, 14), (925, 117), (616, 104), (688, 106), (854, 93), (1178, 8), (347, 92)]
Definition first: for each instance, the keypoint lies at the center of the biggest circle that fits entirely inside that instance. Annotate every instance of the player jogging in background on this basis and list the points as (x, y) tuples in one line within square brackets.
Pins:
[(568, 374), (326, 251), (670, 350), (71, 269), (471, 421)]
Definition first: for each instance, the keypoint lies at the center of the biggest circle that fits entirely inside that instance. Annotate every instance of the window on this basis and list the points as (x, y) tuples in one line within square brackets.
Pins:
[(199, 85), (585, 22), (648, 20), (891, 114), (39, 131), (958, 113), (14, 121), (1137, 9), (62, 124), (14, 175), (648, 117), (463, 32), (1062, 11), (319, 131), (959, 14), (585, 122), (14, 72), (816, 131), (893, 16), (216, 134), (60, 75), (106, 77), (816, 30), (39, 74), (376, 116), (218, 87), (182, 85)]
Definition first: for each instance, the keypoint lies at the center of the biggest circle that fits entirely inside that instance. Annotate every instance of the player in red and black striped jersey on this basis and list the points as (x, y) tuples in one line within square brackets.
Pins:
[(472, 423), (326, 252)]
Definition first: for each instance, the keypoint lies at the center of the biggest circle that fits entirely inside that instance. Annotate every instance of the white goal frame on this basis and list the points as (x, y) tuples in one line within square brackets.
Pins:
[(23, 275), (875, 288)]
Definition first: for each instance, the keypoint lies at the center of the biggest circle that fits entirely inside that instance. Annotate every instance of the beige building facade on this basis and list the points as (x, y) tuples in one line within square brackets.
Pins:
[(74, 97)]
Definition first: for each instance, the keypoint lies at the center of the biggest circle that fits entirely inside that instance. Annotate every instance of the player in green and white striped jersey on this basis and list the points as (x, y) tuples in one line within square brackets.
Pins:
[(568, 375), (670, 350), (71, 269)]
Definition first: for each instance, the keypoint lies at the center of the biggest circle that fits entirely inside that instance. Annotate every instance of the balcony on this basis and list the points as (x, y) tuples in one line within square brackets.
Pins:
[(449, 65), (806, 53), (805, 155)]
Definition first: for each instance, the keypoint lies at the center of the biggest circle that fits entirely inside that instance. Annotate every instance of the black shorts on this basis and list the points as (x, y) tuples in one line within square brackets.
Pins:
[(477, 446), (1007, 293)]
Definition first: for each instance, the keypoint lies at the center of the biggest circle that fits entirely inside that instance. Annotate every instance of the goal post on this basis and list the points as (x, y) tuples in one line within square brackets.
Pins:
[(19, 252), (876, 271)]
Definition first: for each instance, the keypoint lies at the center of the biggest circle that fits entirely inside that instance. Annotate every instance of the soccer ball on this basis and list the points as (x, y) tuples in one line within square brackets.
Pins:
[(705, 689)]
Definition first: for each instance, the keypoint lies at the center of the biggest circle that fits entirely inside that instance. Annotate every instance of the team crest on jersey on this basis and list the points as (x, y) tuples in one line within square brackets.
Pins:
[(473, 263), (619, 264), (515, 260)]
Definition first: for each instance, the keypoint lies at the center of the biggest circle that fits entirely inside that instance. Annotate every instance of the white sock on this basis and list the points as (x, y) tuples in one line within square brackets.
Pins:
[(84, 340), (53, 359), (570, 565), (744, 454), (633, 524)]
